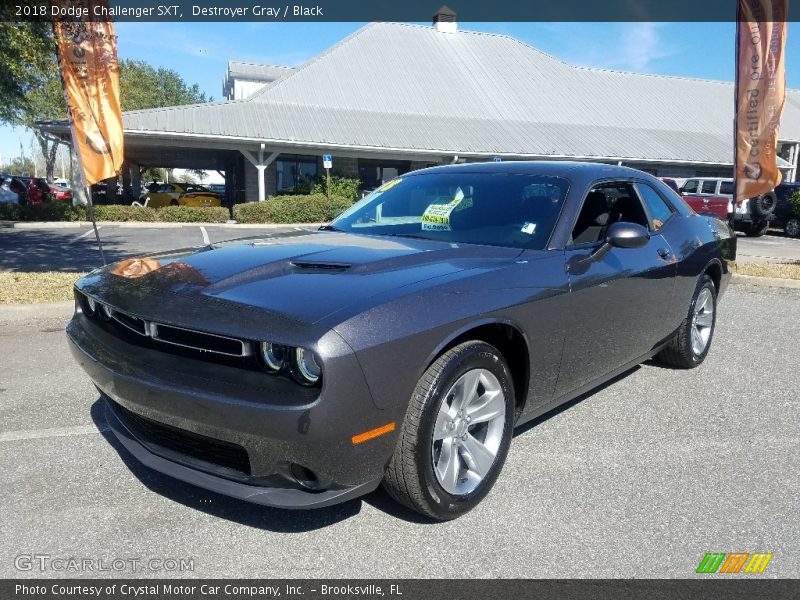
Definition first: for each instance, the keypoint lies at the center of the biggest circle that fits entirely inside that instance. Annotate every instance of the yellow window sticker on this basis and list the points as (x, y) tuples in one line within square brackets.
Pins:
[(437, 216), (389, 185)]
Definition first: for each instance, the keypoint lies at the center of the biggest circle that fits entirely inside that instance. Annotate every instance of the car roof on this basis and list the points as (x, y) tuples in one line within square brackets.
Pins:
[(552, 168)]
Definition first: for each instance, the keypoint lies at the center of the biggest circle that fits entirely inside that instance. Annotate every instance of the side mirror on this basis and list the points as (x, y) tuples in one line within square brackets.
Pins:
[(627, 235), (622, 235)]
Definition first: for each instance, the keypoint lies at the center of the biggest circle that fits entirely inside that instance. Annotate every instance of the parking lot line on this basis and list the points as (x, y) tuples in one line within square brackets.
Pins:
[(84, 234), (34, 434), (206, 240)]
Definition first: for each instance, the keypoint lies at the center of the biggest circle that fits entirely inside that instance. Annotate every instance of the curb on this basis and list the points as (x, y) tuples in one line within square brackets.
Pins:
[(150, 225), (20, 312), (793, 284)]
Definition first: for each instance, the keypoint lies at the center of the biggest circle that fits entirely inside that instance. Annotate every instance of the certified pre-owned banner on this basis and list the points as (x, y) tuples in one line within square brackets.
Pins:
[(760, 94), (87, 52)]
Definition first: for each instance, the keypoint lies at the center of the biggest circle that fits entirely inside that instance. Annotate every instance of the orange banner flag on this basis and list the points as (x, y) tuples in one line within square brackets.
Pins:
[(760, 94), (87, 52)]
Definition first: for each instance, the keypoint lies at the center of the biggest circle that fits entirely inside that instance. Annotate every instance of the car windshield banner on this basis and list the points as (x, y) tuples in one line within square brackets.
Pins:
[(760, 94), (87, 52)]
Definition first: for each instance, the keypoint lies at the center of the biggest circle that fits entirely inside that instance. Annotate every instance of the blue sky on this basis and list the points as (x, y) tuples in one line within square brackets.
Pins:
[(200, 51)]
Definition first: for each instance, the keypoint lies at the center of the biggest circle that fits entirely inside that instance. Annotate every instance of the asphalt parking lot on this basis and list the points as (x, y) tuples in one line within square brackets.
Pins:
[(638, 479), (74, 248)]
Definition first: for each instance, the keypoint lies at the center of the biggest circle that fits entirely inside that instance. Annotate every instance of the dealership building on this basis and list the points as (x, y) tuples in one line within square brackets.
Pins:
[(394, 97)]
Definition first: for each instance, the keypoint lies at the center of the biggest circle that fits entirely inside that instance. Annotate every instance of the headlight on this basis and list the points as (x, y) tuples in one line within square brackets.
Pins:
[(87, 304), (273, 355), (308, 368), (105, 311)]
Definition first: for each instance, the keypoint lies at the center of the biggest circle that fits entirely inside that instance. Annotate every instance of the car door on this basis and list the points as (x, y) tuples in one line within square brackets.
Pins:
[(618, 304)]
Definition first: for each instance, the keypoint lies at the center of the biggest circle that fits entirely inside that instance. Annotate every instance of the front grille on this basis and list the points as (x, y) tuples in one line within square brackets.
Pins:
[(191, 339), (200, 447), (197, 340)]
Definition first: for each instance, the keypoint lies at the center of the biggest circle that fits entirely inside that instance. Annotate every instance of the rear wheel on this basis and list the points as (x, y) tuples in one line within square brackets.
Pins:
[(792, 228), (756, 228), (456, 433), (692, 341), (173, 202)]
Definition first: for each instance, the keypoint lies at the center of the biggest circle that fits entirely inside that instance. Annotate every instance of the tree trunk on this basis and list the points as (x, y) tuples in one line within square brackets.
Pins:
[(49, 150)]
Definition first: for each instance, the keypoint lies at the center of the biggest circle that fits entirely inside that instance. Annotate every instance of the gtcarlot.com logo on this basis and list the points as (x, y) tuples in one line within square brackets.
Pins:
[(74, 564), (731, 563)]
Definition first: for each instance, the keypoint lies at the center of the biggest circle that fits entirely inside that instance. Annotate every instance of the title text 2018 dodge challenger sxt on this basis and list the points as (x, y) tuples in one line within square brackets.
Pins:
[(402, 343)]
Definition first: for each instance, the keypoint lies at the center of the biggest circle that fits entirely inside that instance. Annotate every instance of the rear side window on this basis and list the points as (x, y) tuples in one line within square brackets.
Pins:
[(726, 187), (690, 187), (658, 210), (709, 187)]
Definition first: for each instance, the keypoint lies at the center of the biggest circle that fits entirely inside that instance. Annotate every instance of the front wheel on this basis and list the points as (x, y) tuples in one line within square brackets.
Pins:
[(456, 433), (691, 343)]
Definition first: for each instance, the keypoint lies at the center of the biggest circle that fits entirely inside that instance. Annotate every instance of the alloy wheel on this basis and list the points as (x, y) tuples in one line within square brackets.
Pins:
[(702, 321), (468, 431)]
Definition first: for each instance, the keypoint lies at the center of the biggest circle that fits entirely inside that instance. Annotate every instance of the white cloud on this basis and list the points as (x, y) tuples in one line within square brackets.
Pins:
[(624, 46)]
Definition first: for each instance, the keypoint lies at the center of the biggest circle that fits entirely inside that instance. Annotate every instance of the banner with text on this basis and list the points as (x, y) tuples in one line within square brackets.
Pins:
[(87, 52), (760, 94)]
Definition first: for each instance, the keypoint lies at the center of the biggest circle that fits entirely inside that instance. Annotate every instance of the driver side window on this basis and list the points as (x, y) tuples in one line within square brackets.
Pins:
[(607, 203)]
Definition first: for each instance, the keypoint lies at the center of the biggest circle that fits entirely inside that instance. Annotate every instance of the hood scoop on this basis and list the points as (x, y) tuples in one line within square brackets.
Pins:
[(319, 266)]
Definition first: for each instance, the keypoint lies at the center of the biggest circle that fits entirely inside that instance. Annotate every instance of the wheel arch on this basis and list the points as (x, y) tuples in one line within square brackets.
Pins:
[(510, 341), (714, 270)]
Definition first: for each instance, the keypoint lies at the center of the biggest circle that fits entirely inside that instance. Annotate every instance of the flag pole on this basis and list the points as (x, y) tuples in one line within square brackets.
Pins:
[(87, 189), (736, 119)]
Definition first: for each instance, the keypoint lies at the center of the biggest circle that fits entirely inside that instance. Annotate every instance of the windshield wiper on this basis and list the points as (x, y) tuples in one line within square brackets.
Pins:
[(407, 235), (328, 228)]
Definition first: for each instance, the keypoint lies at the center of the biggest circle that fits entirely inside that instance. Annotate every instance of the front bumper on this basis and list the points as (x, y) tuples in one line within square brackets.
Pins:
[(276, 424)]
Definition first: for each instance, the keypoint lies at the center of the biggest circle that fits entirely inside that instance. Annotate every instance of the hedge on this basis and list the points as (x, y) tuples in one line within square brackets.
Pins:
[(194, 214), (314, 208), (62, 211)]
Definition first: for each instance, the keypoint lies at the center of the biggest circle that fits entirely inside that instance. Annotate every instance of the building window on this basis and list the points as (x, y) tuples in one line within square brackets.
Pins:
[(295, 172), (374, 173)]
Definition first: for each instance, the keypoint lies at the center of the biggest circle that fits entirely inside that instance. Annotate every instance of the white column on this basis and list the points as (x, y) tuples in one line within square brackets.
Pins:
[(260, 164)]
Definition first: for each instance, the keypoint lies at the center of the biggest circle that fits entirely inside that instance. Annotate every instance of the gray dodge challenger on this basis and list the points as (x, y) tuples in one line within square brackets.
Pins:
[(402, 343)]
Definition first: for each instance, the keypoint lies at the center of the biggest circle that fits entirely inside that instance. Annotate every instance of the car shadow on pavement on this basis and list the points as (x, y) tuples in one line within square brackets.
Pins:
[(217, 505), (567, 405)]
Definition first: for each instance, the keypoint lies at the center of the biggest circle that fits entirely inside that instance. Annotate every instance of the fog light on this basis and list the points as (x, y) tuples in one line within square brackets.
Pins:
[(273, 355), (307, 366)]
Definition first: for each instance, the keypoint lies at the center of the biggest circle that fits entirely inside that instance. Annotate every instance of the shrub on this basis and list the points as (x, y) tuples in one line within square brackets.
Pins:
[(194, 214), (51, 211), (314, 208), (795, 205), (9, 212), (122, 212), (341, 186)]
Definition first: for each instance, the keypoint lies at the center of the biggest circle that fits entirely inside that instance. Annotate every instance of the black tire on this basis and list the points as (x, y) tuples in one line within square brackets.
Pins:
[(792, 228), (679, 352), (764, 205), (410, 477), (756, 229), (173, 202)]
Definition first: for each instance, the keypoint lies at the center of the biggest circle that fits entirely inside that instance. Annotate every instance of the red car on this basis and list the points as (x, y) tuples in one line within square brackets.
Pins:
[(61, 193), (709, 195)]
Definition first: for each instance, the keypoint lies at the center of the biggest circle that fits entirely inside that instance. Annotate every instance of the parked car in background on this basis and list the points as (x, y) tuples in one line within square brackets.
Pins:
[(182, 194), (61, 193), (784, 217), (402, 343), (37, 190), (671, 183), (709, 194), (10, 193)]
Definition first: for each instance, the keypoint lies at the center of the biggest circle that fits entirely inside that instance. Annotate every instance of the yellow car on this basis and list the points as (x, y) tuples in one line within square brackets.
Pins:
[(182, 194)]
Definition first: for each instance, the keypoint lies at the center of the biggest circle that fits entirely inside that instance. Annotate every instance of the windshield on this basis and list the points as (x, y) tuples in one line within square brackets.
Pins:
[(497, 209)]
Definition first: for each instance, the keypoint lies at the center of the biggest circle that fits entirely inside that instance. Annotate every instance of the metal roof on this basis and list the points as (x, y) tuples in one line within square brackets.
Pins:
[(256, 71), (410, 88)]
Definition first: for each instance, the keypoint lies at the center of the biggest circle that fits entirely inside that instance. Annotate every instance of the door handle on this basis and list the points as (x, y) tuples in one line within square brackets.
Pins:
[(664, 252)]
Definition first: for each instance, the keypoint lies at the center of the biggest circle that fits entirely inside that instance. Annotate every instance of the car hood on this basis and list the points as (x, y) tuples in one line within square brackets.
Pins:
[(303, 277)]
